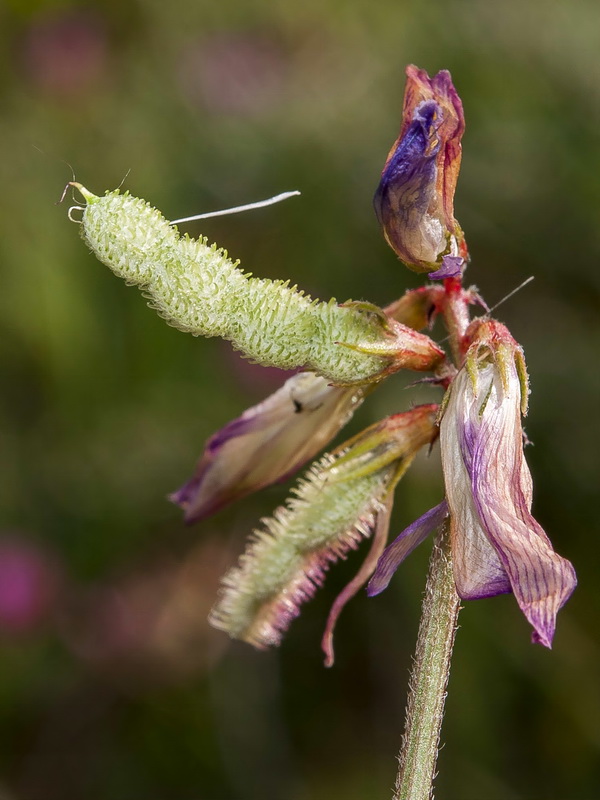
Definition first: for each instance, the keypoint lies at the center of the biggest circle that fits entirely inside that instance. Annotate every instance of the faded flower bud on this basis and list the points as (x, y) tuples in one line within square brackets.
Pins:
[(414, 202)]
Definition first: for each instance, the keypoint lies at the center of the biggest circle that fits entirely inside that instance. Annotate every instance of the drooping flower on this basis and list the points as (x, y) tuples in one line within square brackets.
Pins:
[(414, 202), (343, 498), (497, 545)]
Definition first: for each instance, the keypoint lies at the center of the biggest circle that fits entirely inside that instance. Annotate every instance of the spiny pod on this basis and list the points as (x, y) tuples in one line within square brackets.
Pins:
[(197, 288), (337, 504)]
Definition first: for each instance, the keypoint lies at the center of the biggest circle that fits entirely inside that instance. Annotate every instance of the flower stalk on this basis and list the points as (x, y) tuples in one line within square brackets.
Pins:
[(429, 678), (417, 758)]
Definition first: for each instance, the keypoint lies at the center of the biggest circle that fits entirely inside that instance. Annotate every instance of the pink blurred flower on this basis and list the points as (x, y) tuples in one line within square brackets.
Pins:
[(233, 73), (28, 586), (66, 53)]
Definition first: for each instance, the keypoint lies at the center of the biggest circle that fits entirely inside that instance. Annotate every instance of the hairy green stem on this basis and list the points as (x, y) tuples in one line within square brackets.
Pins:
[(429, 678)]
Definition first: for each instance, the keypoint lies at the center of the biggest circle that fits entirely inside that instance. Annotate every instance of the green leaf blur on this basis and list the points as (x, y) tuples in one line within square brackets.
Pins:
[(112, 684)]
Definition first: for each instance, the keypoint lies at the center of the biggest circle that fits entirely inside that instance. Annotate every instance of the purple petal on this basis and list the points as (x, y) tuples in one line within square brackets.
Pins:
[(541, 580), (407, 189), (497, 545), (478, 571), (452, 267), (269, 442), (403, 546)]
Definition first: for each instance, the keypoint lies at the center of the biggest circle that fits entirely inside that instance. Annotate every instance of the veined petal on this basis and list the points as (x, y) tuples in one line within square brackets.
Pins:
[(541, 580), (478, 571), (269, 442), (496, 541), (403, 545)]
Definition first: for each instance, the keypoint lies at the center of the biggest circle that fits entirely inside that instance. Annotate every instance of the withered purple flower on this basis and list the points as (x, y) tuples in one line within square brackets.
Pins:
[(414, 202), (268, 443), (497, 545)]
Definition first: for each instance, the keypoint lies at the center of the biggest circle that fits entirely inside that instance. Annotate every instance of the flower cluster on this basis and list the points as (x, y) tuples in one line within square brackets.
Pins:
[(497, 545), (345, 351)]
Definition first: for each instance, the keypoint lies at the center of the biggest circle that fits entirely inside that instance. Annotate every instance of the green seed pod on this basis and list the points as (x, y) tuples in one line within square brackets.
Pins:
[(197, 288)]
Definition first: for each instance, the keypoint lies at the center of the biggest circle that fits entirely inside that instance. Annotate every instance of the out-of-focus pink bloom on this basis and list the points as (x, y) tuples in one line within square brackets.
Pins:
[(414, 202), (28, 586), (268, 443), (497, 545), (66, 53), (233, 74), (151, 624)]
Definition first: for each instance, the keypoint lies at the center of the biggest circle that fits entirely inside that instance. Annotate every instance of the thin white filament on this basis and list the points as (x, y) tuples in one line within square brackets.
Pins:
[(510, 294), (70, 213), (248, 207)]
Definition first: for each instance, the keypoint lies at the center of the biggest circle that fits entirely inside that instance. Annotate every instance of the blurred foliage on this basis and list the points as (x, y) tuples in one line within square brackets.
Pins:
[(111, 683)]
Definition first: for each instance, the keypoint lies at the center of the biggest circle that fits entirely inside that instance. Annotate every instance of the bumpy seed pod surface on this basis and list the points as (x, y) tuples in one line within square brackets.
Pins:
[(197, 288)]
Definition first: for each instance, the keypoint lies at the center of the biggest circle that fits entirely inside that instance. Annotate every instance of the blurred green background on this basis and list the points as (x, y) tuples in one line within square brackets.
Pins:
[(112, 685)]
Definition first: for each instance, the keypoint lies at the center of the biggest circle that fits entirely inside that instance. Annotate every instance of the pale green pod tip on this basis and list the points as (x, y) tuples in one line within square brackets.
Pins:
[(88, 196)]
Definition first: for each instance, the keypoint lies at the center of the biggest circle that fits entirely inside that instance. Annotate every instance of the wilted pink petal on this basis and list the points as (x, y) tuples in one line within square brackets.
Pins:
[(403, 545), (497, 545), (269, 442), (541, 580)]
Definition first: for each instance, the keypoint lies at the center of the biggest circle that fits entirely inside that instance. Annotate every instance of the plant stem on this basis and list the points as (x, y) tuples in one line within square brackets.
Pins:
[(429, 678), (455, 311)]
